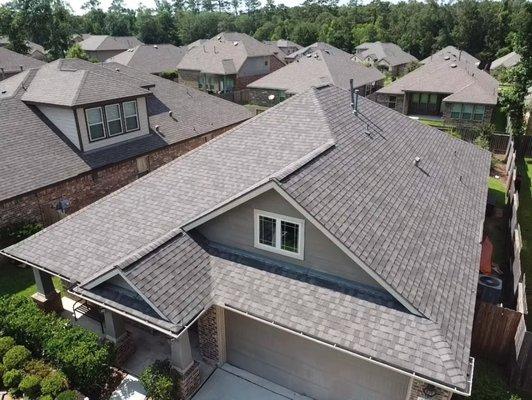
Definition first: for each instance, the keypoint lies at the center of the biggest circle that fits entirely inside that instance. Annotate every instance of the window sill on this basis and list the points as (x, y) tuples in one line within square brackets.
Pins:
[(282, 252)]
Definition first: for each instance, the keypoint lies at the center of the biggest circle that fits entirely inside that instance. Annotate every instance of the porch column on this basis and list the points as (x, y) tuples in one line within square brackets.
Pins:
[(211, 330), (46, 298), (181, 353), (113, 326)]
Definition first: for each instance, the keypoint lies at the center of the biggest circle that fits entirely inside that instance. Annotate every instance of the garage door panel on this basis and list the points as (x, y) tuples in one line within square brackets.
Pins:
[(305, 366)]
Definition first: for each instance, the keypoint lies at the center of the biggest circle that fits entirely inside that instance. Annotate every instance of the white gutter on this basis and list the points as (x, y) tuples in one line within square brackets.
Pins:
[(370, 359)]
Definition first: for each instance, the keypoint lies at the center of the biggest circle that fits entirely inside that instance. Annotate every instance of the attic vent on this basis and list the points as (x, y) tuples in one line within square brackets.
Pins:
[(4, 91), (117, 69), (219, 38), (235, 43), (453, 65), (155, 46), (327, 51), (316, 55), (309, 55), (447, 58)]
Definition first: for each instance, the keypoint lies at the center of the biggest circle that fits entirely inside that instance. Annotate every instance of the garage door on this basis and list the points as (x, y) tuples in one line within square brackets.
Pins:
[(307, 367)]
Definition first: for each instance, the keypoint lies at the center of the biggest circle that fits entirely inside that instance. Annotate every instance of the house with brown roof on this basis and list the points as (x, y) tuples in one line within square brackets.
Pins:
[(385, 56), (323, 66), (11, 63), (304, 254), (446, 87), (102, 47), (73, 132), (286, 46), (34, 50), (509, 60), (228, 62), (151, 58), (452, 53)]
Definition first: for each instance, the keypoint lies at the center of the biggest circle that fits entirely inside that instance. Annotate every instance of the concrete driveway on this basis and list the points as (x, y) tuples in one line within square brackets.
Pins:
[(231, 383)]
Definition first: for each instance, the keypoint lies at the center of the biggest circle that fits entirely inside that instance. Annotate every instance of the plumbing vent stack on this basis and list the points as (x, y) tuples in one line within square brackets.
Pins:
[(417, 160)]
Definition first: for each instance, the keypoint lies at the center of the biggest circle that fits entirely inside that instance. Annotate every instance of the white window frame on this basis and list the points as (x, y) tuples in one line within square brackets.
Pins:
[(129, 116), (107, 120), (89, 124), (277, 248)]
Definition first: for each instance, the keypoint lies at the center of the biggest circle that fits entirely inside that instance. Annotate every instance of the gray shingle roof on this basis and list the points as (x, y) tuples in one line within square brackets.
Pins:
[(11, 61), (418, 228), (35, 154), (310, 49), (389, 52), (507, 61), (105, 42), (153, 59), (317, 68), (454, 54), (212, 55), (33, 47), (461, 80)]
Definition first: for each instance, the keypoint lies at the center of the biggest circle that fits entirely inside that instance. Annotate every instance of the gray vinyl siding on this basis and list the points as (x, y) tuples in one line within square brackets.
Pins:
[(307, 367), (255, 66), (64, 119), (235, 228)]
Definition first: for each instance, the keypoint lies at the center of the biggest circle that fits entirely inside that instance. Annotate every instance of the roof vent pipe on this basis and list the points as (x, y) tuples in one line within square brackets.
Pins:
[(354, 97), (417, 160)]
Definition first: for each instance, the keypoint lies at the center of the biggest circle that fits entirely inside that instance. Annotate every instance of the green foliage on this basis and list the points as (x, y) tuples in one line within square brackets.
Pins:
[(16, 233), (12, 378), (16, 357), (484, 133), (489, 383), (74, 350), (77, 52), (54, 383), (161, 381), (39, 368), (46, 397), (6, 343), (172, 75), (67, 395), (2, 371), (30, 386)]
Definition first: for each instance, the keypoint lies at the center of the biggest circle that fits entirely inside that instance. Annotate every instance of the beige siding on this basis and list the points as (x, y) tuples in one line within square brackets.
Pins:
[(235, 228), (64, 119), (307, 367), (143, 122)]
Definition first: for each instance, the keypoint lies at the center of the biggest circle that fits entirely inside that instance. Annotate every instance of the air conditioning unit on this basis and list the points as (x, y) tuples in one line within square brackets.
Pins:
[(489, 289)]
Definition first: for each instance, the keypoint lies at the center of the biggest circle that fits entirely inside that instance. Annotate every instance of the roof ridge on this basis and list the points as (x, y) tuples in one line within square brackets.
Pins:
[(78, 90)]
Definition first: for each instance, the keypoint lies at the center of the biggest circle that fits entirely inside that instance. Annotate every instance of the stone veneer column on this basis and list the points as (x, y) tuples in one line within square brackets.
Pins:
[(211, 332), (416, 392), (46, 298)]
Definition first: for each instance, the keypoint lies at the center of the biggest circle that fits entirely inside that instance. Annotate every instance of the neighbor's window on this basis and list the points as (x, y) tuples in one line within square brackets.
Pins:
[(479, 113), (131, 115), (114, 119), (279, 234), (456, 110), (95, 123), (467, 111), (392, 101)]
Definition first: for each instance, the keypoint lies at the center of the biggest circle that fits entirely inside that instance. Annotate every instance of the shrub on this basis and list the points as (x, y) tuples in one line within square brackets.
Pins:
[(16, 357), (54, 384), (67, 395), (12, 378), (6, 343), (46, 397), (39, 368), (160, 381), (74, 350), (30, 386), (2, 370)]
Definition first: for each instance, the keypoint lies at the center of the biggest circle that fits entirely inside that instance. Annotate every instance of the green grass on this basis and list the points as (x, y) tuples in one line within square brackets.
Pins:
[(497, 189), (524, 215), (431, 122)]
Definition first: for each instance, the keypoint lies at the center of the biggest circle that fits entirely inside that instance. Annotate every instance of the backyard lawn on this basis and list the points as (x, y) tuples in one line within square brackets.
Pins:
[(15, 280)]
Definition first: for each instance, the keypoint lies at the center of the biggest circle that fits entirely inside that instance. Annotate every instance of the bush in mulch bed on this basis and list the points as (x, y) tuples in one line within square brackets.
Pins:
[(161, 381), (78, 353)]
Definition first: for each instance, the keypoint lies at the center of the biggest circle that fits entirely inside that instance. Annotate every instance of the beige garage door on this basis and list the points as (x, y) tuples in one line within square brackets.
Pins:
[(307, 367)]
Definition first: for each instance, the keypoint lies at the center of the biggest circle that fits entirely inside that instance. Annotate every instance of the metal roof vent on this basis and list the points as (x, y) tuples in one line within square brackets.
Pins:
[(309, 55), (117, 69), (271, 97), (155, 46), (4, 91), (235, 43), (417, 160), (453, 65), (316, 55), (447, 57), (219, 38)]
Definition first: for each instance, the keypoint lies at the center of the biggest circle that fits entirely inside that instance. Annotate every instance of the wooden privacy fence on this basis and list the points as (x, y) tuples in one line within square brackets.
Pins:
[(525, 146)]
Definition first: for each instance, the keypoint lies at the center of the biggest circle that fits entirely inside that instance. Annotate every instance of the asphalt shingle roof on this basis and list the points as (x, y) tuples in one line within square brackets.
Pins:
[(461, 80), (153, 59), (389, 52), (105, 42), (224, 54), (35, 154), (11, 61), (454, 54), (417, 227), (317, 68), (507, 61)]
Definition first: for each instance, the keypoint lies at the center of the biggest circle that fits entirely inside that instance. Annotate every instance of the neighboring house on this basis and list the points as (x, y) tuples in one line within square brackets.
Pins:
[(281, 55), (286, 46), (452, 53), (307, 50), (306, 246), (34, 50), (329, 66), (227, 62), (385, 56), (74, 131), (455, 90), (11, 63), (198, 42), (510, 60), (153, 59), (79, 37), (102, 47)]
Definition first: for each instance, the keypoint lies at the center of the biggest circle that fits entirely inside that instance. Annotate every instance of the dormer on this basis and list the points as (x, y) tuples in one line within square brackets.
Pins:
[(92, 107)]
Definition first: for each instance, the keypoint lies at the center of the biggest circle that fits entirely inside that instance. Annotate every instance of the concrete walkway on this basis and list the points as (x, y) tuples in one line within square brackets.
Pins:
[(129, 389), (231, 383)]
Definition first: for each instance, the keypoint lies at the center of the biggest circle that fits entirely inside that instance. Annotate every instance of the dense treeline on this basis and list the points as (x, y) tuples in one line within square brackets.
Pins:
[(484, 28)]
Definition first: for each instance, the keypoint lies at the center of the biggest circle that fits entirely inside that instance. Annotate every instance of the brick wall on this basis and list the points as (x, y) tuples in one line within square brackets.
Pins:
[(189, 78), (190, 382), (83, 190), (208, 336), (447, 107), (384, 99), (260, 97), (275, 63), (416, 392)]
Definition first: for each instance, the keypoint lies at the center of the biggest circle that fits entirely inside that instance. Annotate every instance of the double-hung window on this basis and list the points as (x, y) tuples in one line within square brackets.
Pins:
[(479, 112), (114, 119), (131, 115), (95, 123), (456, 110), (467, 111), (279, 234)]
